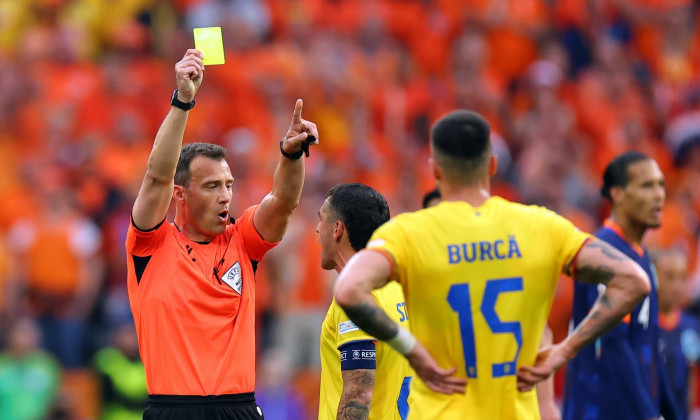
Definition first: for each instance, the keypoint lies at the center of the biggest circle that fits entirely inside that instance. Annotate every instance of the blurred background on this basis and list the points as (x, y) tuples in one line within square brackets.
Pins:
[(84, 85)]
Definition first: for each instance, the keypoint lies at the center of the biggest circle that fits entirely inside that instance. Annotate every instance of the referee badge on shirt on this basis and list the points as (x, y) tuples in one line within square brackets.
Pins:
[(233, 278)]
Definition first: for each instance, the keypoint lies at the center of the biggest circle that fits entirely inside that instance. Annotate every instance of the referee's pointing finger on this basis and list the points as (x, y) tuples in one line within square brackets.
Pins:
[(296, 118)]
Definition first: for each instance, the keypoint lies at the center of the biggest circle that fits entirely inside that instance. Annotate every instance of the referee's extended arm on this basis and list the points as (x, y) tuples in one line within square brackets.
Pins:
[(153, 200), (273, 214)]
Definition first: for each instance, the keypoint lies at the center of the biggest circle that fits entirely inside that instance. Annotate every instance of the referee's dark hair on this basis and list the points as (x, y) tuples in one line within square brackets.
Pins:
[(189, 152), (461, 146), (361, 209), (616, 174)]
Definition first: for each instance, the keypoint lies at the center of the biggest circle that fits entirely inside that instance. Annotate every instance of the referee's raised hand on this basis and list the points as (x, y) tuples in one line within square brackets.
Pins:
[(189, 73), (299, 130)]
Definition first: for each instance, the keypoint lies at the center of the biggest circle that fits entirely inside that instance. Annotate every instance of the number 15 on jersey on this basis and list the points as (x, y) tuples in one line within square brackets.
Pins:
[(460, 301)]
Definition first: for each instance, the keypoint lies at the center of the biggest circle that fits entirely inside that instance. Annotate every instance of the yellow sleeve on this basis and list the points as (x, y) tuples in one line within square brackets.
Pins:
[(567, 239), (345, 330)]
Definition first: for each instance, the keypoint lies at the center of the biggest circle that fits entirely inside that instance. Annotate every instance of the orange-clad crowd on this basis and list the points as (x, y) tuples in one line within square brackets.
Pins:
[(567, 85)]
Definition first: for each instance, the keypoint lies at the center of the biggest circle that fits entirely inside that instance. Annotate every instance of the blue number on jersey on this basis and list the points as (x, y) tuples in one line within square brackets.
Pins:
[(402, 402), (459, 299)]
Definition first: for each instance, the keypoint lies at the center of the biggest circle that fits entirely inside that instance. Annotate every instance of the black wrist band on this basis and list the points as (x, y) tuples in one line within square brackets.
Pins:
[(304, 148), (185, 106), (291, 156)]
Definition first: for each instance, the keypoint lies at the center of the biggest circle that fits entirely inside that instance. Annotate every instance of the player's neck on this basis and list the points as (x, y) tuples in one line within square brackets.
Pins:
[(633, 232), (474, 195), (668, 309), (341, 258), (669, 319)]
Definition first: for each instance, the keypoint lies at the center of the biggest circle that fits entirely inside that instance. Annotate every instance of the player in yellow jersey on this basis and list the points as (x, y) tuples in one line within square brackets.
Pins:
[(479, 274), (360, 377), (545, 389)]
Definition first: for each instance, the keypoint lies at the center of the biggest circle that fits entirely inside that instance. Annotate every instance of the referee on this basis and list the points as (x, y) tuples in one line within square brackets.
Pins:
[(191, 282)]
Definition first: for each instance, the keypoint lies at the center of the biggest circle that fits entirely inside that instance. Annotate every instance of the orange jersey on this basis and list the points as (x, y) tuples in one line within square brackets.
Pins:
[(194, 307)]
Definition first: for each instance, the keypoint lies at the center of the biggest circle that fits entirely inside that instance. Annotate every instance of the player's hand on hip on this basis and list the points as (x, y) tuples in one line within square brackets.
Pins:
[(436, 378), (299, 130), (549, 359), (189, 73)]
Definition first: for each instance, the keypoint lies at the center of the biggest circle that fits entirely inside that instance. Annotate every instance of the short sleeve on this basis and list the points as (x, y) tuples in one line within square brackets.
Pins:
[(566, 238), (255, 245), (144, 243), (345, 330), (390, 240)]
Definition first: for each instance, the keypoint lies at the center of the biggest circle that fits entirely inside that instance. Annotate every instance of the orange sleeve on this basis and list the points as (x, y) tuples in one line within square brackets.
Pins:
[(144, 243), (254, 244)]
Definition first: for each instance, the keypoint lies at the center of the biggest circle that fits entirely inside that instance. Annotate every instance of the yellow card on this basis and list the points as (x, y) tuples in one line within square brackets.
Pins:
[(211, 44)]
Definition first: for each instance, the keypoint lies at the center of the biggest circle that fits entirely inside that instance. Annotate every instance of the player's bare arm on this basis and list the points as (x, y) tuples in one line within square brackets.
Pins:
[(368, 270), (272, 216), (626, 285), (545, 389), (156, 191), (355, 401)]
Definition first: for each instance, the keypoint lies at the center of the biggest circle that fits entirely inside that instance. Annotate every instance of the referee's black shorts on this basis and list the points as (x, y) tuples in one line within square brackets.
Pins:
[(212, 407)]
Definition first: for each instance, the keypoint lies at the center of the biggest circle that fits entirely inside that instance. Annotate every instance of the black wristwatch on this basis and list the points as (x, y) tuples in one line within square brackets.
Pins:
[(185, 106)]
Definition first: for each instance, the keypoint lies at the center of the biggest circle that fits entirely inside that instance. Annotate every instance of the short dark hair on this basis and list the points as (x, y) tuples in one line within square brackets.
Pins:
[(430, 196), (361, 208), (616, 173), (461, 144), (189, 152)]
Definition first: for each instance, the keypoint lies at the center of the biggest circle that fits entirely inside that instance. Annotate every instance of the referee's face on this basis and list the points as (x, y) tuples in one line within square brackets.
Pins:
[(208, 196), (326, 229)]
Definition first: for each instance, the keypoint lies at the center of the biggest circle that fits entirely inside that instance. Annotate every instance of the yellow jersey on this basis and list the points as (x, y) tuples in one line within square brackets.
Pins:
[(479, 283), (392, 375)]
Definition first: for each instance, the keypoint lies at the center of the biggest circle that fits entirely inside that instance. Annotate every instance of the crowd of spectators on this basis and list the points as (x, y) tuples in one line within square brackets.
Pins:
[(565, 84)]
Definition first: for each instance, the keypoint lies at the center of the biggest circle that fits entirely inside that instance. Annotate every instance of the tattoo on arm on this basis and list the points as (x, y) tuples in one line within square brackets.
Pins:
[(594, 275), (372, 319), (607, 249), (355, 402), (602, 272), (598, 320), (353, 411)]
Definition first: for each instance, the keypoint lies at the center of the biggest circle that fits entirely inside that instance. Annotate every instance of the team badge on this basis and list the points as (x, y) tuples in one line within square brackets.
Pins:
[(346, 327), (233, 277)]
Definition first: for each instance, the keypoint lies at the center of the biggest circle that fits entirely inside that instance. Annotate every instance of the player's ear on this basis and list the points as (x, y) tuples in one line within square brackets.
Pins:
[(616, 193), (338, 231), (179, 193), (437, 172), (493, 165)]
